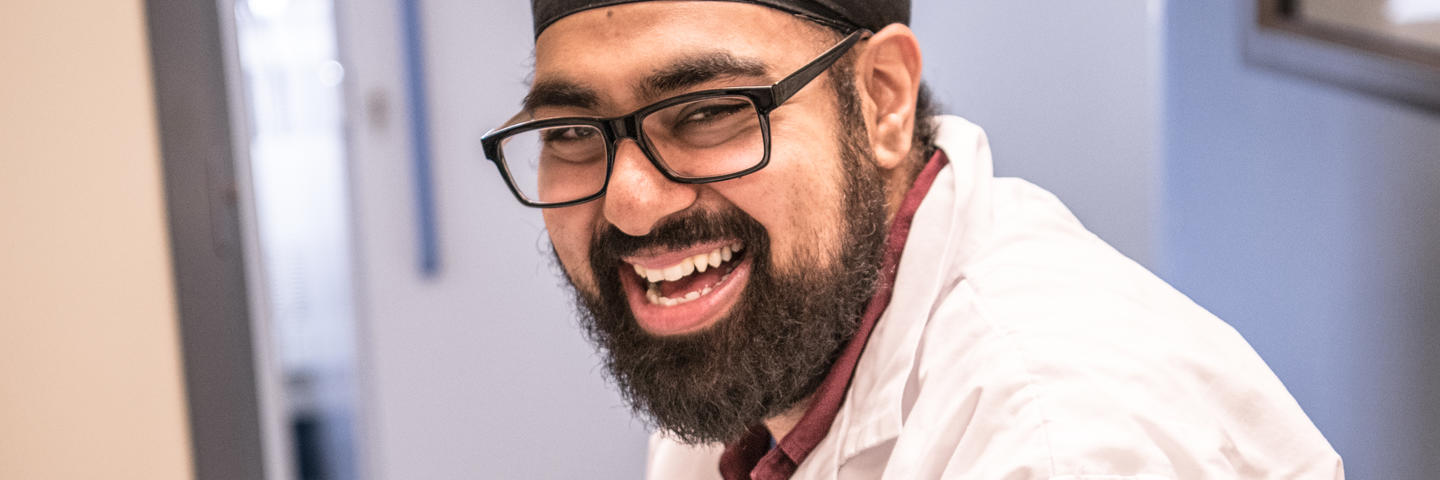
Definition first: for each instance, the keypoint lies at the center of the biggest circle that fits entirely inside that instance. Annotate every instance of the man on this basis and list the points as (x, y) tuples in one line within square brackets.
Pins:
[(795, 271)]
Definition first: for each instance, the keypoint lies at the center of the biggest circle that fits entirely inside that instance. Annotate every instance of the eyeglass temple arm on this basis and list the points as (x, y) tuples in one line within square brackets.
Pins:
[(788, 86)]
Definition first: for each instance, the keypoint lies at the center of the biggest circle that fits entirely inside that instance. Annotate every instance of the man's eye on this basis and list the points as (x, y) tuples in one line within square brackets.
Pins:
[(711, 113), (569, 134)]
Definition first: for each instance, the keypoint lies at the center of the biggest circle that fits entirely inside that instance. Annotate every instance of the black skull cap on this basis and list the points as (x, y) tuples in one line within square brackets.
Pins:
[(843, 15)]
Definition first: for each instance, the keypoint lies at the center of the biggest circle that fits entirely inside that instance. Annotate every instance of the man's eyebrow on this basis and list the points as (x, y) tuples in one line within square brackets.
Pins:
[(560, 93), (694, 70), (678, 75)]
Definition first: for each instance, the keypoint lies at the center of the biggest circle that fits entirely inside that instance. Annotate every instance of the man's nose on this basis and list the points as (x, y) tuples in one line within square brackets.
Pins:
[(639, 196)]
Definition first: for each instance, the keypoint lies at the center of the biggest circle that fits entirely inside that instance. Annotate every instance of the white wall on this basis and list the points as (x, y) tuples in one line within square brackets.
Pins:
[(1308, 217), (90, 368), (482, 371)]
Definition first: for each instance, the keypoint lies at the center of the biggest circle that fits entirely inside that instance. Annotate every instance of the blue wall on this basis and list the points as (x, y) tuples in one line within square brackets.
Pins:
[(1069, 93), (1309, 218)]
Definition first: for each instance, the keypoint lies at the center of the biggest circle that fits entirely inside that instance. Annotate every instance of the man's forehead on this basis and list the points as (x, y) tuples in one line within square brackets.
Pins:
[(660, 28), (648, 49), (844, 15)]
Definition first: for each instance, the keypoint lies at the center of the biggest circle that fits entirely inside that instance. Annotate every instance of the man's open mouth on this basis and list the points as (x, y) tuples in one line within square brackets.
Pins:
[(691, 277), (678, 291)]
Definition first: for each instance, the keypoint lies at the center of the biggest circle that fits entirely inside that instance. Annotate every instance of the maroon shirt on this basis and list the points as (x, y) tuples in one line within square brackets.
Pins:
[(751, 457)]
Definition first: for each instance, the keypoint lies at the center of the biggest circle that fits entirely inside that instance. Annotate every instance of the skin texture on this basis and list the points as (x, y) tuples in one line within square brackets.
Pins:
[(797, 198)]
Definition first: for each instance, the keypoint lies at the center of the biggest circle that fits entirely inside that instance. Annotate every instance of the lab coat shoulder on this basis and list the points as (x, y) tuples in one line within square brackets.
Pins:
[(1017, 345), (1054, 356)]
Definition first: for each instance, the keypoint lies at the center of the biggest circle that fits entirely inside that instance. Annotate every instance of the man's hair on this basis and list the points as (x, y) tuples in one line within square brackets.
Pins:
[(927, 126)]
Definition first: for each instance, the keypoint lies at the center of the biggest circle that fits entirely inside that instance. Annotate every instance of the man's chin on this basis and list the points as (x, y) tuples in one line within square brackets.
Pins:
[(666, 318)]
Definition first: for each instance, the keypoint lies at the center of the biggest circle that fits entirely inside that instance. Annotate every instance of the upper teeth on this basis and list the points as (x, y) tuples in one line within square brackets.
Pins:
[(689, 265)]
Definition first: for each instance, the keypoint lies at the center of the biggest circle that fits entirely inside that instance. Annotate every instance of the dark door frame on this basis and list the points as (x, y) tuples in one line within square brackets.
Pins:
[(202, 205), (1277, 38)]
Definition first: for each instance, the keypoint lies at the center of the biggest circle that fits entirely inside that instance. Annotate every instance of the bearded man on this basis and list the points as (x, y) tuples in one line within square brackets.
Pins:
[(794, 270)]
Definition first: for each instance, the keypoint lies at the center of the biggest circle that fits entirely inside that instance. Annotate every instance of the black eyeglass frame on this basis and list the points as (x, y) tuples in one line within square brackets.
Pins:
[(765, 99)]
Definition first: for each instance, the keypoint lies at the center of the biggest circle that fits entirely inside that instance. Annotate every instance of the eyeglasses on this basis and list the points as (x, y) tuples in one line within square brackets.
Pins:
[(699, 137)]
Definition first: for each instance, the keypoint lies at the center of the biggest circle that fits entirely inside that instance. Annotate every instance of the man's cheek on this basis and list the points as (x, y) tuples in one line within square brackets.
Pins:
[(568, 251), (578, 270), (574, 265)]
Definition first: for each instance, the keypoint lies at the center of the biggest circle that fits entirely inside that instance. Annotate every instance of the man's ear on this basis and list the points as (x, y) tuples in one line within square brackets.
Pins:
[(888, 80)]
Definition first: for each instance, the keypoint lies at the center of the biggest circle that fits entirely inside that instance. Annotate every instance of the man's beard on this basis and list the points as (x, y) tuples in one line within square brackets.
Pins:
[(780, 338)]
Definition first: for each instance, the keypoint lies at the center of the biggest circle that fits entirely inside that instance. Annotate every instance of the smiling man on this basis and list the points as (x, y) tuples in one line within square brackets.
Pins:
[(795, 270)]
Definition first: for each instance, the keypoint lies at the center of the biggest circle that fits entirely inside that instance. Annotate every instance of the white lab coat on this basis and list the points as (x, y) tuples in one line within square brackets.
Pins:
[(1018, 345)]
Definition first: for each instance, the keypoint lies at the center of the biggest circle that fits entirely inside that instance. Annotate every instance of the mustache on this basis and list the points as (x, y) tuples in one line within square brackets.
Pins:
[(610, 244)]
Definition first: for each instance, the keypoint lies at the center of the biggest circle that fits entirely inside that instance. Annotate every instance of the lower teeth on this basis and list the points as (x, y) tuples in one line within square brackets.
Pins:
[(653, 294)]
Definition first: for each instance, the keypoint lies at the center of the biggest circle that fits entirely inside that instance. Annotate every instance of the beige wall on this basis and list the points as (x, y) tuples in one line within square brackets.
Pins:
[(90, 379)]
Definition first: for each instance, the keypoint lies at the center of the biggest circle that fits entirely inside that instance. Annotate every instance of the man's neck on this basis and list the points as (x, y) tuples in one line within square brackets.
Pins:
[(781, 425)]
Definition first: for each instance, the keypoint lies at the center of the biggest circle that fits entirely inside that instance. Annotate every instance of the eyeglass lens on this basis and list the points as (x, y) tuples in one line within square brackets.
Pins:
[(698, 139), (556, 164)]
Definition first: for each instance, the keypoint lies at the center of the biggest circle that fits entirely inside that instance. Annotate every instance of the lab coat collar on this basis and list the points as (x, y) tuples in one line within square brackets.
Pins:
[(949, 228)]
